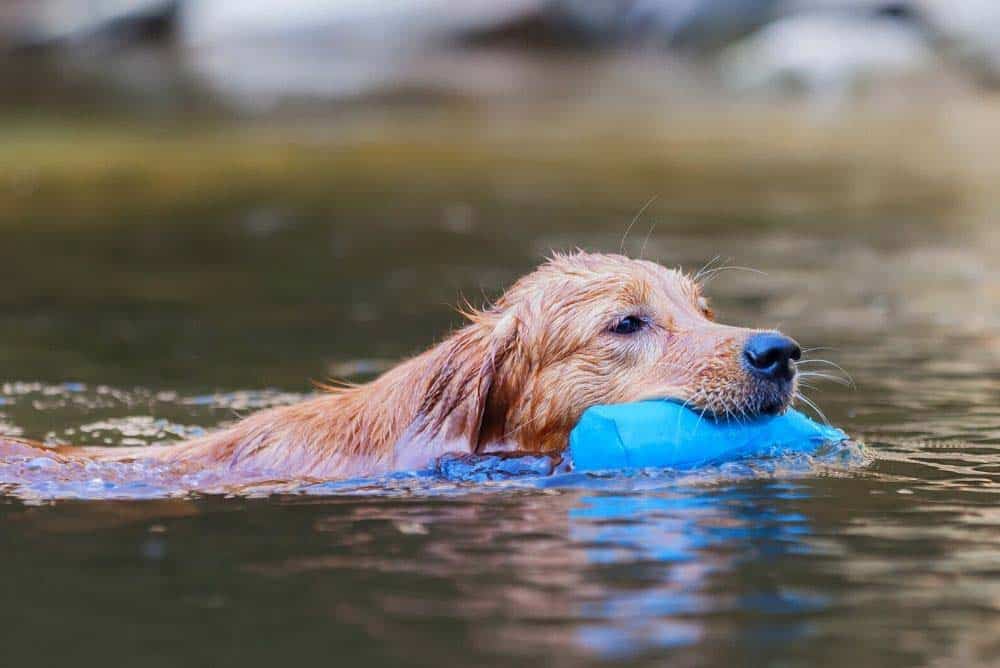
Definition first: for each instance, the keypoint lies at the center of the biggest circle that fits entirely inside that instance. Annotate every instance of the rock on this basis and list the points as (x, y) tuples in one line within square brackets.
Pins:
[(825, 53), (70, 23), (386, 25), (257, 54), (968, 31), (698, 24)]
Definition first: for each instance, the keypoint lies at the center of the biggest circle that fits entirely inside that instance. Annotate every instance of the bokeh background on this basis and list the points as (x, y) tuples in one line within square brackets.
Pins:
[(206, 204), (253, 194)]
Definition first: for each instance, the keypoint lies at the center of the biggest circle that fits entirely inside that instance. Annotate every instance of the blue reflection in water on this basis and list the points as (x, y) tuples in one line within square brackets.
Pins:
[(663, 549), (677, 541), (682, 537)]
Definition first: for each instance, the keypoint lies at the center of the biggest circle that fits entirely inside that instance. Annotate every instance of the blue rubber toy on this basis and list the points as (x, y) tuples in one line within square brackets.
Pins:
[(665, 434)]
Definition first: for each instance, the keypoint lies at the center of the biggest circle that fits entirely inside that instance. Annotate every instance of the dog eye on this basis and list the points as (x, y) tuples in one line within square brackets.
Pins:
[(630, 324)]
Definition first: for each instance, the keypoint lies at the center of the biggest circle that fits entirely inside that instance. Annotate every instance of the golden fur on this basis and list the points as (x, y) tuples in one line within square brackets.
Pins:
[(516, 378)]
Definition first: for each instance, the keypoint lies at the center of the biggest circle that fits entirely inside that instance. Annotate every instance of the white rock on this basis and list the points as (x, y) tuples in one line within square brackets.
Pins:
[(824, 53), (967, 29), (258, 53)]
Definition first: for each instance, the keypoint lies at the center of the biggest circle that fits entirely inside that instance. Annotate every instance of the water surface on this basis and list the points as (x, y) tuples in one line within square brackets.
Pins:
[(140, 331)]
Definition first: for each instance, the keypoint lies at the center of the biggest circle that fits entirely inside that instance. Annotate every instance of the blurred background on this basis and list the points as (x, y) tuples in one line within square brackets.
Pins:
[(251, 193), (205, 204)]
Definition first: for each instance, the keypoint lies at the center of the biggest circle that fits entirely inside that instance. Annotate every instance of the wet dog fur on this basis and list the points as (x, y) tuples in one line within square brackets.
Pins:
[(583, 329)]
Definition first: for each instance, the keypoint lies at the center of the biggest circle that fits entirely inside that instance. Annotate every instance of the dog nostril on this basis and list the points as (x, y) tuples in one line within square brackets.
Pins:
[(771, 355), (755, 361)]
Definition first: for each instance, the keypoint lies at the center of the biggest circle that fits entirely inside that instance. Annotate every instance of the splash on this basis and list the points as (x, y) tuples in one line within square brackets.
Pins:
[(47, 478), (102, 415)]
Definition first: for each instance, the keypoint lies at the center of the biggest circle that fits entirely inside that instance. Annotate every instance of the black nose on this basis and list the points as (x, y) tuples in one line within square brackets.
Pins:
[(770, 355)]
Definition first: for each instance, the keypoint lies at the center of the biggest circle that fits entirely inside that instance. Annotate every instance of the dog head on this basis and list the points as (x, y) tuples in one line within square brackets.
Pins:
[(587, 329)]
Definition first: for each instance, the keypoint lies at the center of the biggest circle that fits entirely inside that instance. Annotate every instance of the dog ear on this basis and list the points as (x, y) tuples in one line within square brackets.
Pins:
[(464, 399)]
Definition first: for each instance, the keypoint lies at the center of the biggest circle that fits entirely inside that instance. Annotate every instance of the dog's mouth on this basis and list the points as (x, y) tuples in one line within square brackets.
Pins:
[(771, 397), (774, 406), (741, 401), (725, 387)]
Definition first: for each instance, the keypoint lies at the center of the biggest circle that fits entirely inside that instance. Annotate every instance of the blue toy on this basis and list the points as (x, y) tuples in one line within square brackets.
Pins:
[(668, 435)]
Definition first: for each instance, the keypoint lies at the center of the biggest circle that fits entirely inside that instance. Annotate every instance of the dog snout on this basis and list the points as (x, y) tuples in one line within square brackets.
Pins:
[(770, 355)]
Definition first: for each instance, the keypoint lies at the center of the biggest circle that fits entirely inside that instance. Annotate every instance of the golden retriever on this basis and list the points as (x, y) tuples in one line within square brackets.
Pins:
[(583, 329)]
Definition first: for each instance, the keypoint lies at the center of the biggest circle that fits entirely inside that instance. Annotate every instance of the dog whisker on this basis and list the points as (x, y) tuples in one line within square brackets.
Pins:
[(826, 376), (809, 402), (730, 413), (649, 233), (696, 278), (642, 210), (706, 278), (836, 366), (704, 410)]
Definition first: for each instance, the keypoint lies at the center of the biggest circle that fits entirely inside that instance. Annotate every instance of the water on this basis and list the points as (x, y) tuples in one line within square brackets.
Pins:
[(140, 331)]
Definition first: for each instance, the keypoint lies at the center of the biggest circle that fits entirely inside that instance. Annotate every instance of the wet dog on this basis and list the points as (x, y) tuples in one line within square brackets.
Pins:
[(583, 329)]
